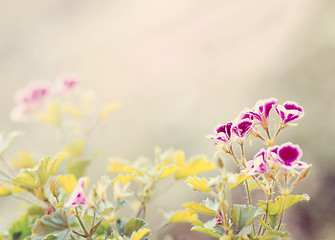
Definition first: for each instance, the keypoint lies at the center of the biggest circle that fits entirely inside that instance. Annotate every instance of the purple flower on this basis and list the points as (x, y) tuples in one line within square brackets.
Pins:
[(289, 111), (78, 196), (287, 156), (243, 128), (260, 163), (262, 109), (222, 135)]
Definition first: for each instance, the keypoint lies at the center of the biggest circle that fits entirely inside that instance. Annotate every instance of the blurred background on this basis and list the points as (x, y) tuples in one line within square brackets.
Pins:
[(179, 68)]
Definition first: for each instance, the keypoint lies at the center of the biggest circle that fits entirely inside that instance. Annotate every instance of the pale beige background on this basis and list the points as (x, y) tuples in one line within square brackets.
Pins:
[(179, 68)]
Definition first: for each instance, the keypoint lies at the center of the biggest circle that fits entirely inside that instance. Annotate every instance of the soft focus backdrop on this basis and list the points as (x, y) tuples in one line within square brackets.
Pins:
[(179, 68)]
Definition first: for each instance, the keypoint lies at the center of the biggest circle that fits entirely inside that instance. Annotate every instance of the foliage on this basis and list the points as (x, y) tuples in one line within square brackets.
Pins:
[(63, 206)]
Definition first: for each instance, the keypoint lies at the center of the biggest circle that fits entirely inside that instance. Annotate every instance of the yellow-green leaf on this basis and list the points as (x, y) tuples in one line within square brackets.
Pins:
[(253, 185), (167, 171), (140, 234), (198, 185), (26, 180), (193, 166), (5, 191), (48, 167), (23, 160), (193, 207), (17, 189), (108, 109), (76, 148), (78, 168), (276, 207), (54, 115), (117, 167), (240, 179), (67, 182), (206, 231), (73, 111), (122, 179), (182, 216)]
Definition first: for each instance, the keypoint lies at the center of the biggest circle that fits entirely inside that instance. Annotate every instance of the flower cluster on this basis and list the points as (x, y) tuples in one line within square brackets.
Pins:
[(277, 166), (249, 119), (37, 96)]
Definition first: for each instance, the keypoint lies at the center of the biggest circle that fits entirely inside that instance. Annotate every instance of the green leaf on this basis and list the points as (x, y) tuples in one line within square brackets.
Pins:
[(26, 180), (212, 205), (21, 228), (276, 207), (242, 216), (76, 148), (133, 225), (31, 178), (56, 224), (104, 226), (275, 235), (49, 167), (207, 228), (78, 168), (36, 211)]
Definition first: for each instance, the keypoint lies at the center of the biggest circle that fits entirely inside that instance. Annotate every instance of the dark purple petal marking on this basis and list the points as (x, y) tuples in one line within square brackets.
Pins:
[(262, 109), (290, 105), (268, 103), (289, 153), (289, 111)]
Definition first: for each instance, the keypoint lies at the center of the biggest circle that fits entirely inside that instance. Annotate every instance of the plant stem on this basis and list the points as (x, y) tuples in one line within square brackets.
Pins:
[(5, 174), (267, 206), (80, 222), (249, 201), (282, 212), (26, 200), (7, 166)]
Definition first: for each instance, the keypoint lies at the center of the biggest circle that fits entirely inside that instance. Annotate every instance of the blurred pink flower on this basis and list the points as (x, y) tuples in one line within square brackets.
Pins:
[(31, 99), (66, 84), (78, 196)]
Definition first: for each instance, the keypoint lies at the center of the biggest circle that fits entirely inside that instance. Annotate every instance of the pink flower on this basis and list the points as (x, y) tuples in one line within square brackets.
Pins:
[(31, 99), (260, 163), (287, 156), (222, 135), (242, 128), (78, 196), (262, 109), (67, 83), (289, 111)]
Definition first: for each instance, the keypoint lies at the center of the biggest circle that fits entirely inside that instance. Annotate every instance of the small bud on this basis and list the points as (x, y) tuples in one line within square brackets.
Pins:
[(218, 159), (73, 212), (220, 163), (302, 175), (59, 205)]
